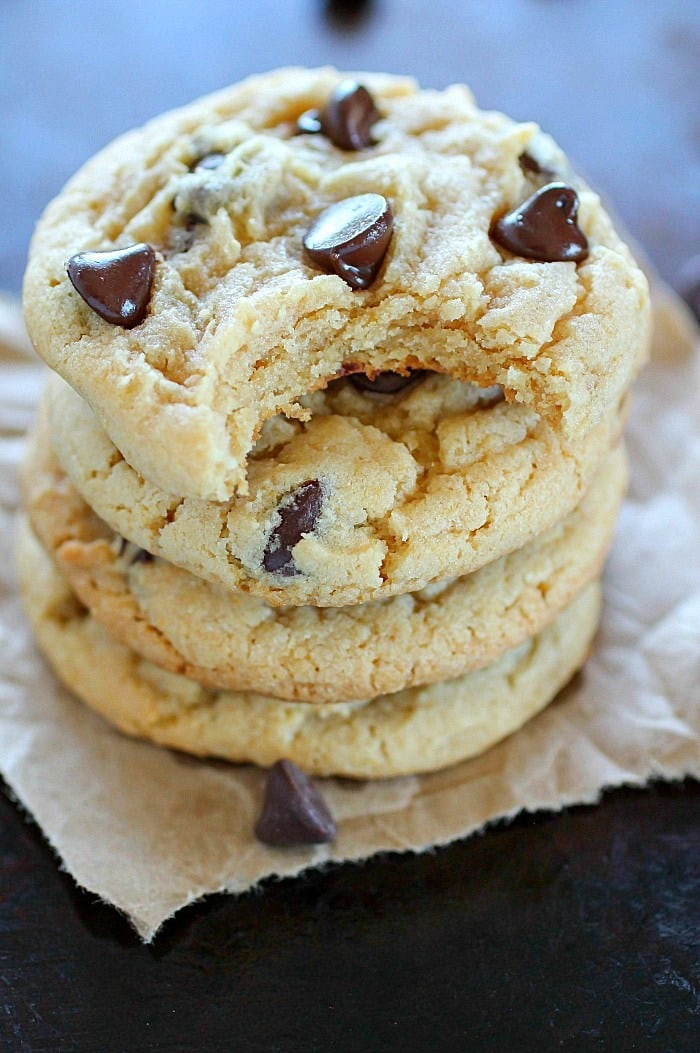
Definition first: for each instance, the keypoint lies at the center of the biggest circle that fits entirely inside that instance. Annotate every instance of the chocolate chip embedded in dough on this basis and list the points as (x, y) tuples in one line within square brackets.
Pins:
[(349, 116), (116, 284), (133, 553), (293, 812), (387, 383), (529, 165), (298, 515), (544, 227), (141, 556), (351, 238)]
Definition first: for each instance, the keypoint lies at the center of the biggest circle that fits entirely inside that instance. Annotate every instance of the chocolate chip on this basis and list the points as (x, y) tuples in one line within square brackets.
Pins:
[(309, 123), (387, 383), (529, 165), (141, 556), (347, 118), (182, 238), (544, 227), (209, 161), (293, 812), (133, 553), (347, 14), (115, 284), (298, 515), (349, 115), (351, 238)]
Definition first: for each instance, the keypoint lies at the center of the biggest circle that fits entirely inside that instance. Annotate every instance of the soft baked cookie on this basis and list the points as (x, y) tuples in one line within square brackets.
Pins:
[(256, 250), (229, 640), (375, 495), (415, 730)]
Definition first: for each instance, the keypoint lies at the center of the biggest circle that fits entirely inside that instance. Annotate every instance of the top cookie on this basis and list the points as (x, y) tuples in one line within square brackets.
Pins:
[(390, 229)]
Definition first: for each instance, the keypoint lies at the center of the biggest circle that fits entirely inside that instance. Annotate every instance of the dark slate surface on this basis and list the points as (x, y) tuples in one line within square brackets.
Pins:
[(578, 931)]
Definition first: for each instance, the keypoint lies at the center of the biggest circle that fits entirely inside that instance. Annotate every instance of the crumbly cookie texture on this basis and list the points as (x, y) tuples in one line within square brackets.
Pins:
[(415, 730), (229, 640), (407, 489), (241, 321)]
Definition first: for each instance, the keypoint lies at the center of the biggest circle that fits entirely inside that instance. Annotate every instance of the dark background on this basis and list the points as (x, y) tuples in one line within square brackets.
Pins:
[(577, 931)]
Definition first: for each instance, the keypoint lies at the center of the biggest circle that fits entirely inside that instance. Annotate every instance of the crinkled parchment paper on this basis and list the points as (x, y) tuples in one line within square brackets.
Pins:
[(150, 831)]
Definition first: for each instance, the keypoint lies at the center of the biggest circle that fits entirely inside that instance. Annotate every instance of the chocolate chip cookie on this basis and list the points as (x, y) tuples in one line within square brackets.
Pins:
[(419, 729), (204, 273), (376, 495), (230, 640)]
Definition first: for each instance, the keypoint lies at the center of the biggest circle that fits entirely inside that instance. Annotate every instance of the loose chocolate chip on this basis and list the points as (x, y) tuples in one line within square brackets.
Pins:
[(351, 238), (349, 115), (209, 161), (347, 14), (115, 284), (298, 516), (544, 227), (531, 166), (309, 123), (293, 812), (387, 383)]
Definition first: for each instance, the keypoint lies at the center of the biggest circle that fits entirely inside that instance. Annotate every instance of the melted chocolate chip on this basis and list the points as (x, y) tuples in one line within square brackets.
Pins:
[(293, 812), (115, 284), (387, 383), (298, 516), (544, 227), (349, 115), (351, 238), (309, 123)]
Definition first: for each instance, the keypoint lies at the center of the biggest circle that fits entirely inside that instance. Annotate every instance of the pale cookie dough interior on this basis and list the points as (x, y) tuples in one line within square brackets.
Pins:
[(229, 640), (242, 323), (416, 730), (429, 484)]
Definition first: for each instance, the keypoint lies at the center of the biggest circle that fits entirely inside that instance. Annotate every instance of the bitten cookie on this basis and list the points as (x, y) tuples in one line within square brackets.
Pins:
[(375, 496), (202, 273), (229, 640), (416, 730)]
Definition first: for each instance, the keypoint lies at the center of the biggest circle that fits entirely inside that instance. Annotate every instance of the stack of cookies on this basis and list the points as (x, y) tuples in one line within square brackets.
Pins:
[(335, 461)]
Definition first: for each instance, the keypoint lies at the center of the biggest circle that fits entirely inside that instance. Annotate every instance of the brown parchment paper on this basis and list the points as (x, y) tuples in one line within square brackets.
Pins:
[(150, 831)]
